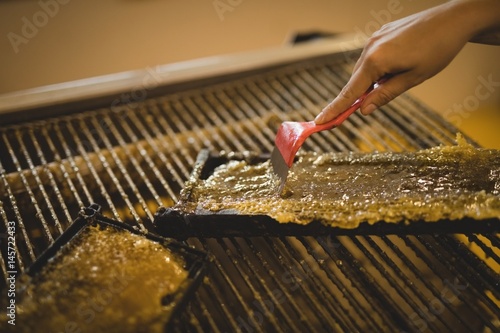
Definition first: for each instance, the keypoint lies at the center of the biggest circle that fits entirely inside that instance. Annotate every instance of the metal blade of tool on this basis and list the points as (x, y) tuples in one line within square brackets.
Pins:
[(291, 135)]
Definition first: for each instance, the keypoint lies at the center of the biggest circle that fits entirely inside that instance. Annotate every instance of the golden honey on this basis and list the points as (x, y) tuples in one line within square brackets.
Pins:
[(346, 189), (104, 280)]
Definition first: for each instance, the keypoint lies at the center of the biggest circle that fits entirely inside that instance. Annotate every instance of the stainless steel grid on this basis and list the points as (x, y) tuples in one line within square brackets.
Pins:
[(133, 159)]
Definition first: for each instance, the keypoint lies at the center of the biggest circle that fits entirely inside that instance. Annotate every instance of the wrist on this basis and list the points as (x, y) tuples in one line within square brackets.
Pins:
[(479, 18)]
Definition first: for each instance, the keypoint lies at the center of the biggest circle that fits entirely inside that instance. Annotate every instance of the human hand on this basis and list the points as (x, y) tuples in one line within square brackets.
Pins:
[(411, 50)]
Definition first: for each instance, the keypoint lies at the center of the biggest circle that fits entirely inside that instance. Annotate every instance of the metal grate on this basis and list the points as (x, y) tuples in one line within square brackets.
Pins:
[(133, 159)]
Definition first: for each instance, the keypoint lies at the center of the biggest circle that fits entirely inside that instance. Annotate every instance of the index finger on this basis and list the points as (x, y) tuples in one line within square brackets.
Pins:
[(359, 82)]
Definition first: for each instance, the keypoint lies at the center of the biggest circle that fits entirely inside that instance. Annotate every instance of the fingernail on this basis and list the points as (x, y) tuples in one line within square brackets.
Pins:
[(368, 109), (319, 117)]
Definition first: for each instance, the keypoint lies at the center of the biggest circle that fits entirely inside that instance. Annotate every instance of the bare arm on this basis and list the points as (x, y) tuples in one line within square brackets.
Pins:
[(413, 49)]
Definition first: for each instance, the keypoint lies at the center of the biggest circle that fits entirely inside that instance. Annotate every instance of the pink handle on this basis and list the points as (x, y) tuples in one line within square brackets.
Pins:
[(310, 127), (291, 135)]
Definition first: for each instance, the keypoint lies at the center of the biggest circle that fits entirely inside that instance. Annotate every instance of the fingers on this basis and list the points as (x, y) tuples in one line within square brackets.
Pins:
[(387, 91), (357, 85), (383, 94)]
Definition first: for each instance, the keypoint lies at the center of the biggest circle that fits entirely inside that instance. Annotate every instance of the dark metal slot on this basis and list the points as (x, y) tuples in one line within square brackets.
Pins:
[(363, 135), (441, 262), (342, 288), (494, 239), (48, 238), (243, 96), (23, 245), (8, 165), (123, 172), (401, 296), (487, 280), (259, 291), (282, 103), (90, 165), (260, 95), (397, 134), (66, 175), (226, 270), (139, 150), (419, 278), (484, 247), (371, 286), (179, 146), (223, 117), (216, 290), (322, 298), (309, 94), (75, 167), (53, 186), (243, 112), (408, 285), (305, 296), (202, 321), (44, 200), (413, 127), (330, 244), (442, 131), (297, 94), (380, 136), (275, 268), (160, 153), (214, 141), (317, 85)]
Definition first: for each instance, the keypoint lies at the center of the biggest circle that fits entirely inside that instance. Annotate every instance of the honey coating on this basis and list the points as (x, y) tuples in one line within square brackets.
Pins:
[(105, 280), (345, 189)]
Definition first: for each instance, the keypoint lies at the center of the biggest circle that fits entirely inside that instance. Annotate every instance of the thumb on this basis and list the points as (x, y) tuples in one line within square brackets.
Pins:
[(386, 92)]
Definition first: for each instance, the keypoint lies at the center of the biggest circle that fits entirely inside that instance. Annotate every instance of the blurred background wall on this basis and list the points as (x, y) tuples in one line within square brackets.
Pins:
[(52, 41)]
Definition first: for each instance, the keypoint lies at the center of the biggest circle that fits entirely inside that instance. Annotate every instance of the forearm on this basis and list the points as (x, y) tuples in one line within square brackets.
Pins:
[(482, 18)]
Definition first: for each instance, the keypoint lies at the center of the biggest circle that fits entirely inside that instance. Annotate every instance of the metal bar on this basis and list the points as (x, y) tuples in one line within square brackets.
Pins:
[(370, 285), (82, 152), (322, 298), (275, 269), (65, 173), (409, 262), (161, 125), (121, 167), (39, 213), (295, 278), (263, 306), (408, 284), (159, 151), (142, 152), (488, 251), (350, 270), (443, 262), (228, 282), (212, 107), (344, 289), (19, 223), (52, 182)]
